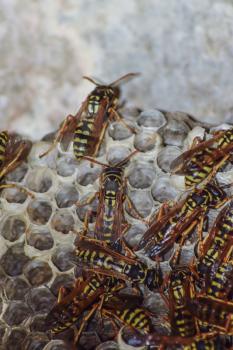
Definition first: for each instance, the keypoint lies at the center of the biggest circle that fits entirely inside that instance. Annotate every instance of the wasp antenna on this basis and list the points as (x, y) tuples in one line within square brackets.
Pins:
[(92, 160), (91, 80), (125, 77)]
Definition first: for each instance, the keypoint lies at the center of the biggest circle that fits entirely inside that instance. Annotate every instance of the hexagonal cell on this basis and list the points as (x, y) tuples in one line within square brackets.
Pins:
[(166, 156), (40, 238), (162, 190), (147, 140), (37, 323), (16, 312), (92, 207), (134, 234), (39, 211), (57, 345), (118, 131), (116, 154), (62, 258), (174, 132), (62, 221), (66, 166), (40, 180), (62, 281), (18, 174), (142, 201), (38, 272), (88, 172), (108, 345), (36, 341), (16, 288), (141, 175), (3, 329), (15, 195), (89, 340), (14, 260), (16, 336), (41, 300), (66, 196), (152, 118), (14, 226)]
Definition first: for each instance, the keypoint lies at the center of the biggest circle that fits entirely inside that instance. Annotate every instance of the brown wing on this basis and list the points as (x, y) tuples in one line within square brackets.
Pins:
[(180, 164), (157, 225), (99, 129), (93, 245)]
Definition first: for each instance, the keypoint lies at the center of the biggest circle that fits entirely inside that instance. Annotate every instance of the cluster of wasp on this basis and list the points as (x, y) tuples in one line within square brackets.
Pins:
[(198, 296)]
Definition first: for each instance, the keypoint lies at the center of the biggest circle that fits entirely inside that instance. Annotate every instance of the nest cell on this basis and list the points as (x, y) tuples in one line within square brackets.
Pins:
[(62, 221), (41, 300), (40, 238), (66, 196), (38, 272), (13, 227), (40, 180), (16, 312), (39, 211), (14, 260), (16, 288)]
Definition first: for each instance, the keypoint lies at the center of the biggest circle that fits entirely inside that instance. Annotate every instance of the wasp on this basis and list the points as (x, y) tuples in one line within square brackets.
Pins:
[(216, 312), (88, 126), (180, 221), (220, 282), (125, 309), (12, 153), (108, 262), (72, 303), (217, 246), (110, 223), (204, 159), (180, 290)]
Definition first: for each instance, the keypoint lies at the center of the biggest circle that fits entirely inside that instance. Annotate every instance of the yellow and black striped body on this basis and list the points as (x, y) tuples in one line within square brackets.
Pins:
[(198, 168), (110, 214), (136, 318), (215, 312), (182, 321), (4, 139), (134, 271), (157, 240), (218, 243), (220, 283), (208, 344), (93, 121), (65, 314)]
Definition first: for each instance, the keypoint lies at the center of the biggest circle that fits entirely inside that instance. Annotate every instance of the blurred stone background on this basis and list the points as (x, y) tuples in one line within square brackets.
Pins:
[(183, 49)]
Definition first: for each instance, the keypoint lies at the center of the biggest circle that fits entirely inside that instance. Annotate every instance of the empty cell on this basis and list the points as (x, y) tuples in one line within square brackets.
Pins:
[(147, 140), (39, 211), (174, 132), (14, 195), (142, 201), (141, 175), (37, 323), (62, 221), (16, 336), (66, 196), (38, 272), (18, 174), (41, 300), (66, 166), (166, 156), (40, 238), (13, 227), (14, 260), (16, 288), (87, 173), (118, 131), (162, 190), (151, 118), (16, 312), (40, 180), (62, 258)]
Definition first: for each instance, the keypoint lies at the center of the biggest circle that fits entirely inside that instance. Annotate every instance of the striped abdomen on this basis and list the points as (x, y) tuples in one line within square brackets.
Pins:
[(197, 170), (4, 138), (221, 284), (83, 135), (136, 318)]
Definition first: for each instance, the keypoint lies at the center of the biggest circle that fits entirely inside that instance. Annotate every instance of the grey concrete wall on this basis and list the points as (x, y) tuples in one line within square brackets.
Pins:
[(183, 49)]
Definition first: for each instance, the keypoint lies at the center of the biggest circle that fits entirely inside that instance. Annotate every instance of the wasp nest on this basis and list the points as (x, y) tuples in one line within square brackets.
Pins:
[(38, 234)]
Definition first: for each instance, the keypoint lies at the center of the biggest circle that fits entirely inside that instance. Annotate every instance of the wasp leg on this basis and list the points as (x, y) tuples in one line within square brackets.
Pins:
[(14, 163), (68, 125), (84, 322), (133, 211), (21, 189), (215, 169), (115, 115), (89, 200)]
